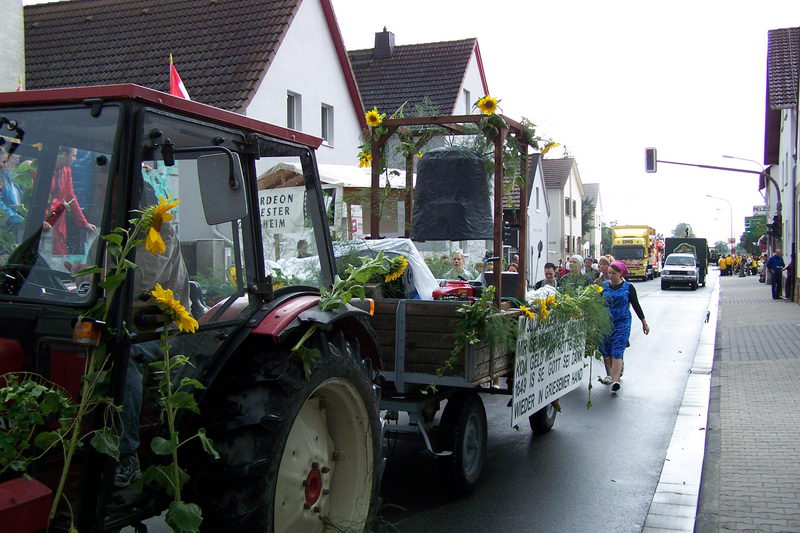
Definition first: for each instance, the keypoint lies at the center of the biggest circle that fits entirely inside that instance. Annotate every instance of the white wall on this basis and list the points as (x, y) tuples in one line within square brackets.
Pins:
[(563, 227), (537, 231), (572, 222), (473, 83), (306, 63), (555, 227), (12, 43), (785, 173)]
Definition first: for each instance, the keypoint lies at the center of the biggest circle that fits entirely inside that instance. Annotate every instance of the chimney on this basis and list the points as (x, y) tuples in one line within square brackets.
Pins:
[(384, 45)]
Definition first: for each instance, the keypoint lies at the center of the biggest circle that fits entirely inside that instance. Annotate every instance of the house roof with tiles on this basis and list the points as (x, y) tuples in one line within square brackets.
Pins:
[(556, 171), (221, 48), (783, 70), (390, 75), (783, 65)]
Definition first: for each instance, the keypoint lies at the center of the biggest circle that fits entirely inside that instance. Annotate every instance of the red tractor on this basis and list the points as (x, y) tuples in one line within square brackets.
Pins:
[(299, 444)]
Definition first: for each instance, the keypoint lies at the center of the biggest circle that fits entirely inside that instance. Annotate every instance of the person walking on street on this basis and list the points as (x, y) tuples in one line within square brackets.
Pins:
[(619, 295), (776, 266)]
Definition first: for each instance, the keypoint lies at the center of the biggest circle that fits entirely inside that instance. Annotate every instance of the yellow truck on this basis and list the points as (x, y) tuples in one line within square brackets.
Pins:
[(636, 246)]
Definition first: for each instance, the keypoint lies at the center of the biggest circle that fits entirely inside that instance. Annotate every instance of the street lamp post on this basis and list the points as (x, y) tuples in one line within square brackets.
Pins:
[(730, 207), (767, 178)]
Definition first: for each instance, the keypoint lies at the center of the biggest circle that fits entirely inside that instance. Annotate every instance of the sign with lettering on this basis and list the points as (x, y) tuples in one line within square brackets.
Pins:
[(282, 210), (545, 370)]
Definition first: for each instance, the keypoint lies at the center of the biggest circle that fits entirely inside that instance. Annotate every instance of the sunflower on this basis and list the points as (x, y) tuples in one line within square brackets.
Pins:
[(157, 215), (599, 288), (400, 263), (373, 117), (166, 300), (551, 300), (527, 312), (543, 311), (364, 159), (487, 105), (548, 146)]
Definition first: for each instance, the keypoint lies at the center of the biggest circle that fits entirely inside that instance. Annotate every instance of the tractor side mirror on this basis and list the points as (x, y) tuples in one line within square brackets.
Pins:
[(221, 187)]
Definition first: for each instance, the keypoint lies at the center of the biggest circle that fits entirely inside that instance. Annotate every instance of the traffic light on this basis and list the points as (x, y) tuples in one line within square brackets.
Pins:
[(775, 229), (650, 160)]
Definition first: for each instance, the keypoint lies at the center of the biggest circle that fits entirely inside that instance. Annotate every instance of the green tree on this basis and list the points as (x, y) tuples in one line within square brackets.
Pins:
[(588, 208), (722, 247), (605, 236), (680, 230), (748, 243)]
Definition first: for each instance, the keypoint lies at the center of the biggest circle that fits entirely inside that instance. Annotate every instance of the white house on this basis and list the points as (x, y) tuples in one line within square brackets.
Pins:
[(593, 237), (781, 139), (279, 61), (565, 192), (538, 221)]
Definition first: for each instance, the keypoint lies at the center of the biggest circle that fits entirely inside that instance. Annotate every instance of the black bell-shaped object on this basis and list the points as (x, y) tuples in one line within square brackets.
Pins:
[(452, 199)]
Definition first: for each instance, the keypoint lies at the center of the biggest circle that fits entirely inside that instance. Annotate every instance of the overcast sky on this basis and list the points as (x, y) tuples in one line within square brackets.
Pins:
[(607, 79)]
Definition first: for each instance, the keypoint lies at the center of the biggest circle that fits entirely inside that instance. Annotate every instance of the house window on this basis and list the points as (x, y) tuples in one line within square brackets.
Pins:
[(293, 111), (467, 102), (537, 198), (566, 206), (326, 126), (574, 208)]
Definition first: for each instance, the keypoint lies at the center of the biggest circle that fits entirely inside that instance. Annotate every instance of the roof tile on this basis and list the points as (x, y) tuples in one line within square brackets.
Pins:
[(556, 171), (97, 42), (415, 71), (783, 63)]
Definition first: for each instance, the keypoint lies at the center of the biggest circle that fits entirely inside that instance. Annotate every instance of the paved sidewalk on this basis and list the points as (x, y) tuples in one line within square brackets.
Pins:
[(751, 470)]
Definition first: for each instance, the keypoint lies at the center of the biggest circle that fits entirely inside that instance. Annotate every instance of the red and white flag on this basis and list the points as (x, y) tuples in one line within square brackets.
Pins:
[(176, 86)]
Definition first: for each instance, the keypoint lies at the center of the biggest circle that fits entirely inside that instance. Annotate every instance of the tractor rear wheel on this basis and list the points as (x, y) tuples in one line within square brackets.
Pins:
[(296, 453)]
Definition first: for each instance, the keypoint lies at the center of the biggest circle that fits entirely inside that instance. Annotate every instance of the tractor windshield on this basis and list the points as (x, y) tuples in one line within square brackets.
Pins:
[(54, 168)]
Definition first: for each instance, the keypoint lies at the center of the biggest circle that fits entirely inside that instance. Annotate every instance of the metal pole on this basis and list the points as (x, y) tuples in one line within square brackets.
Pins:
[(409, 194), (729, 169)]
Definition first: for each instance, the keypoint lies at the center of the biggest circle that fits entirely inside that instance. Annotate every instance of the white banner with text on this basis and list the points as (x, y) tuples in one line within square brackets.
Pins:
[(548, 364)]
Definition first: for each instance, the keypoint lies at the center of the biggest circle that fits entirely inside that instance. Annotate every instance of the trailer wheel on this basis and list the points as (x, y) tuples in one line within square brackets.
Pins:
[(464, 431), (543, 420), (294, 451)]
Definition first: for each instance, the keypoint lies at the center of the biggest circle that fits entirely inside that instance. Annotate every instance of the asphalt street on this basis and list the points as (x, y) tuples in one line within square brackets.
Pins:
[(595, 471)]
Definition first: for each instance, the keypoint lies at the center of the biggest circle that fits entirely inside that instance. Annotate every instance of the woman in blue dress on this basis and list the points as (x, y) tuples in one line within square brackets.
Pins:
[(619, 295)]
